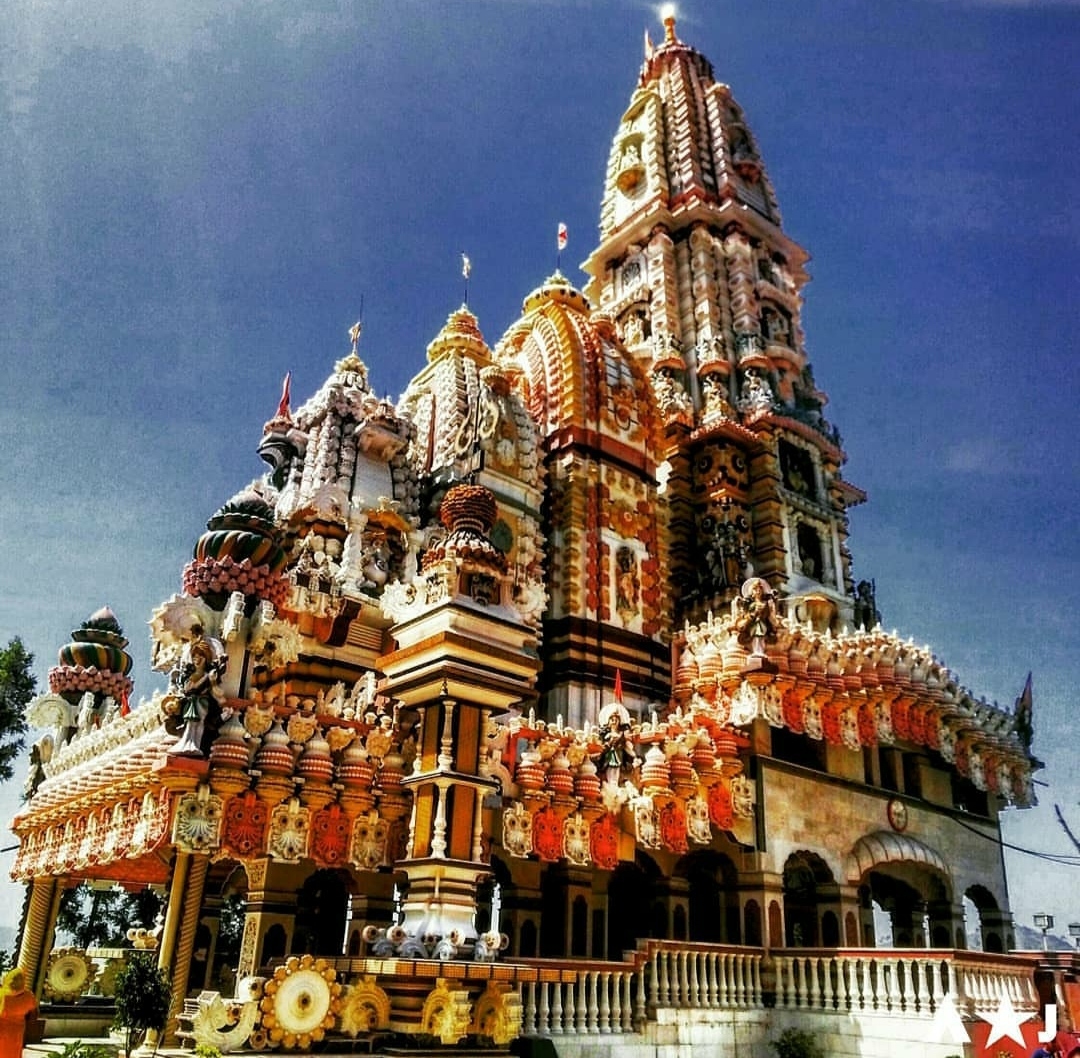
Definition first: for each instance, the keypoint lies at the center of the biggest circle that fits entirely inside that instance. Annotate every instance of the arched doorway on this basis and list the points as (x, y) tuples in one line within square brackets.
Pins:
[(905, 891), (713, 897), (808, 884), (632, 900), (985, 926), (905, 906), (321, 908)]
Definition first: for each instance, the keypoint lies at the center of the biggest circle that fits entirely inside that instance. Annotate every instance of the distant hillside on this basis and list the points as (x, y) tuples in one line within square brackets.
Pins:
[(1028, 939)]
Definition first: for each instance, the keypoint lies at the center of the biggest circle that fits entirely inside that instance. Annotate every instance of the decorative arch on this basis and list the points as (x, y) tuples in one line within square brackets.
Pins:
[(712, 879), (908, 881), (808, 885), (632, 900), (884, 847)]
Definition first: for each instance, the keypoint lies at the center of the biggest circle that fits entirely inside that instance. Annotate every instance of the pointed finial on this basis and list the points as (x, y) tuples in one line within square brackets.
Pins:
[(648, 46), (283, 404), (667, 14)]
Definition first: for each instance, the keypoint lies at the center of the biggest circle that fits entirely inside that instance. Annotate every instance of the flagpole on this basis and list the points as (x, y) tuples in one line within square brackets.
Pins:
[(466, 269)]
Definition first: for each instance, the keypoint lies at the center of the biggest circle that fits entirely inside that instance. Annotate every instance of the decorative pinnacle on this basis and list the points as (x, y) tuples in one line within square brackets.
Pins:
[(354, 334), (667, 14)]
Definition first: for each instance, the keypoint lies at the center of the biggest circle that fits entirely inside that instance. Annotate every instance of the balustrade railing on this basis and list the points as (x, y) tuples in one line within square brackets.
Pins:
[(583, 998), (602, 997), (909, 982), (588, 997)]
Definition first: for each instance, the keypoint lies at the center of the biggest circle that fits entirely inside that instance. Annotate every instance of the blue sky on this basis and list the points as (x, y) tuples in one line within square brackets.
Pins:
[(195, 199)]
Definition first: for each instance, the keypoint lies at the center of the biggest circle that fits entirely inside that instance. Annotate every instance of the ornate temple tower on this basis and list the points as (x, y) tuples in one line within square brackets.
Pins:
[(704, 286), (596, 420)]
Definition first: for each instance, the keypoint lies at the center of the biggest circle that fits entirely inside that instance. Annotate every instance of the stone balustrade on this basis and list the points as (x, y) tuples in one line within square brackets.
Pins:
[(562, 998), (591, 997), (909, 982)]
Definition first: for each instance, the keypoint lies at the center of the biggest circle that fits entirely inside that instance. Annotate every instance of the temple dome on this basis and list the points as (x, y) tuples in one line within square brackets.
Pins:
[(460, 334), (577, 372)]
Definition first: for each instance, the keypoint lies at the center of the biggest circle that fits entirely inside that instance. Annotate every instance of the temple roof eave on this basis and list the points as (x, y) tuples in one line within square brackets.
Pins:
[(639, 226), (911, 697)]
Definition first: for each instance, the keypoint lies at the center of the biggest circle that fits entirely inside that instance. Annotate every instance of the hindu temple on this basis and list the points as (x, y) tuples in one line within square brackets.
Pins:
[(547, 703)]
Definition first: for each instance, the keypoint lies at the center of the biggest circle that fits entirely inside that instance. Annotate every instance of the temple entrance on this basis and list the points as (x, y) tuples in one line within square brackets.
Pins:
[(714, 906), (321, 907), (635, 911), (810, 896), (905, 893)]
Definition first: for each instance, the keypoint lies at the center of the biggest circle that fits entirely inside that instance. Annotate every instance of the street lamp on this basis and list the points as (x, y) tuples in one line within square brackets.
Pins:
[(1045, 923)]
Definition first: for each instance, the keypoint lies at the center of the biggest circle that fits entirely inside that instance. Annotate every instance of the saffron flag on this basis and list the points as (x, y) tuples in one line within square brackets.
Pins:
[(562, 236), (466, 266), (618, 685)]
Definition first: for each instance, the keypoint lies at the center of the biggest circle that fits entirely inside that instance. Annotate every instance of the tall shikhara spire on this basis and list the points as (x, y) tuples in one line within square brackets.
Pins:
[(704, 287)]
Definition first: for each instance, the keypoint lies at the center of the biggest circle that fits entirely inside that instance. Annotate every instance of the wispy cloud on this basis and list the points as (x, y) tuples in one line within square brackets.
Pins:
[(983, 456)]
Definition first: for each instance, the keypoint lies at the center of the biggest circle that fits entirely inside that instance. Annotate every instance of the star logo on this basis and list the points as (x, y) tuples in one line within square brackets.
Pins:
[(948, 1026), (1005, 1023)]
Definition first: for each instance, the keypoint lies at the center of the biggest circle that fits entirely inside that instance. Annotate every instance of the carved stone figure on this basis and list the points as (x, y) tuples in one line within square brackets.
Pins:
[(754, 611), (193, 685), (866, 611), (756, 395), (617, 756)]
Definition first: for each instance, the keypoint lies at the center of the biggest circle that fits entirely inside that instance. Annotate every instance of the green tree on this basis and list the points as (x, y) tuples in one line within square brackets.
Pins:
[(16, 690), (143, 997)]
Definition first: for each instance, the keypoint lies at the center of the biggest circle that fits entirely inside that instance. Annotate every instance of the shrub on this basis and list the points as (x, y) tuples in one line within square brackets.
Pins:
[(797, 1043)]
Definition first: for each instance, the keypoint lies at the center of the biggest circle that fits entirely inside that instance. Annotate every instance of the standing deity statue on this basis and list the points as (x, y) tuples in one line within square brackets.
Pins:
[(193, 689), (866, 611), (617, 756), (755, 617)]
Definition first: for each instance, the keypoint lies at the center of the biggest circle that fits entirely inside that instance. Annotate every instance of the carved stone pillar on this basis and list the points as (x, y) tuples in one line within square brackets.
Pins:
[(185, 940), (44, 905), (167, 947), (271, 902)]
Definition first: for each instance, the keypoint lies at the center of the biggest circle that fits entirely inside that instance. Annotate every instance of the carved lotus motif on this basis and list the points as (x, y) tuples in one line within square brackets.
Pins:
[(301, 1003), (69, 974)]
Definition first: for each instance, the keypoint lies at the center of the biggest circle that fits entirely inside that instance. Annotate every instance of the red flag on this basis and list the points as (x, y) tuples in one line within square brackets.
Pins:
[(283, 404), (618, 685), (562, 236)]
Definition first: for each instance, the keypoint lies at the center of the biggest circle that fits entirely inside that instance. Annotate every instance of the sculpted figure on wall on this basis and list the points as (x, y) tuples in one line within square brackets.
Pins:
[(756, 619), (193, 689)]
